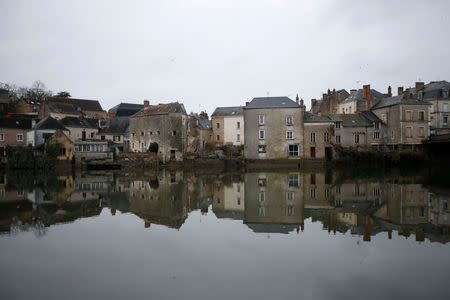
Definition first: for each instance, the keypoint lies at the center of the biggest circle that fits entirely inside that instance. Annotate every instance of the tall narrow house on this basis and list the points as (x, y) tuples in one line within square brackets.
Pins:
[(273, 128)]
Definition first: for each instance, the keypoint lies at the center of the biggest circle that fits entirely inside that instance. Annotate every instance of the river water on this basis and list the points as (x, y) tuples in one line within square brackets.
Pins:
[(330, 234)]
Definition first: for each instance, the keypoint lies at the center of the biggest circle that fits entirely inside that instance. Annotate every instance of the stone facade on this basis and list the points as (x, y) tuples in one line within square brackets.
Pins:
[(13, 132), (273, 129), (164, 124), (318, 137), (67, 146)]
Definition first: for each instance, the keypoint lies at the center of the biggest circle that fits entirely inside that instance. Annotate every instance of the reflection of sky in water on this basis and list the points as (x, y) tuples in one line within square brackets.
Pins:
[(116, 257)]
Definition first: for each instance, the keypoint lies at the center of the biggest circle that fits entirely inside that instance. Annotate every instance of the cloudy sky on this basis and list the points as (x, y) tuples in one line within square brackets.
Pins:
[(208, 53)]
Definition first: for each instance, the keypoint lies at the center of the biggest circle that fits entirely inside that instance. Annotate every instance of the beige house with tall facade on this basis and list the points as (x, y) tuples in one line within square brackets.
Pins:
[(228, 125), (273, 128), (318, 136)]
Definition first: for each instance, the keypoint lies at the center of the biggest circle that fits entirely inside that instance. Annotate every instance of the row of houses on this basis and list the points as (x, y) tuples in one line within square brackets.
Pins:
[(265, 127)]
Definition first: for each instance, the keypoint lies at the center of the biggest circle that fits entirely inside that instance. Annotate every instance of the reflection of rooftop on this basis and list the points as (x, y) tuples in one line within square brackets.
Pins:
[(272, 227), (229, 214)]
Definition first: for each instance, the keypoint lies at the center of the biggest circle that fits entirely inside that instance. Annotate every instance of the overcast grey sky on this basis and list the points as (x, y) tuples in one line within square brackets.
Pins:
[(208, 53)]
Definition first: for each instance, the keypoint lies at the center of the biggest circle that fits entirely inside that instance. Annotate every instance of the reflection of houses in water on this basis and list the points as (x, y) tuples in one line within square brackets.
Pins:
[(162, 200), (273, 202), (439, 209), (229, 200)]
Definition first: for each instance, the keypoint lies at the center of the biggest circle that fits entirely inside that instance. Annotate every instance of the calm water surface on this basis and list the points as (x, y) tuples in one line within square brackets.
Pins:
[(259, 235)]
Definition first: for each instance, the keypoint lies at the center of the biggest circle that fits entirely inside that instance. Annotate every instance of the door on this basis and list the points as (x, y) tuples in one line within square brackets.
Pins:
[(313, 152), (83, 135), (328, 153)]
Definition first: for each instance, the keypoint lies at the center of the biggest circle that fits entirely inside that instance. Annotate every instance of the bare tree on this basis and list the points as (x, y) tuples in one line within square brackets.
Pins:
[(38, 91), (63, 94)]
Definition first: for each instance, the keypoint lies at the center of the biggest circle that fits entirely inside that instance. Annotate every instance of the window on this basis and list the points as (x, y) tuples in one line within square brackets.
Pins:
[(377, 125), (289, 210), (338, 139), (239, 201), (337, 125), (312, 178), (421, 131), (357, 139), (2, 137), (376, 135), (289, 135), (238, 125), (408, 132), (421, 115), (174, 133), (261, 211), (327, 193), (217, 125), (350, 109), (262, 134), (444, 94), (445, 107), (392, 134), (445, 121), (294, 150), (261, 148), (289, 120), (116, 138), (238, 137), (326, 137), (431, 108), (218, 137), (262, 196), (211, 137), (142, 133), (158, 132), (92, 135), (261, 119), (313, 137), (313, 193), (408, 115), (262, 181), (293, 180), (289, 196), (20, 137)]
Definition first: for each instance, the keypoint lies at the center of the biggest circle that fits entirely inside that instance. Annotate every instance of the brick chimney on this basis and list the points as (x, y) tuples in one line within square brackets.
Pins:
[(389, 92), (419, 86), (366, 95), (399, 91), (302, 103), (332, 100), (146, 103)]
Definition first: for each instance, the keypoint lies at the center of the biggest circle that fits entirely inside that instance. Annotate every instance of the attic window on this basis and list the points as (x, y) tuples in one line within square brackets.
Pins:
[(283, 103)]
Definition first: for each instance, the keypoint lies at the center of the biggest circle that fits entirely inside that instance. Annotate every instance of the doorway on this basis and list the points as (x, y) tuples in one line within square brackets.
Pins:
[(313, 152), (328, 153), (172, 154)]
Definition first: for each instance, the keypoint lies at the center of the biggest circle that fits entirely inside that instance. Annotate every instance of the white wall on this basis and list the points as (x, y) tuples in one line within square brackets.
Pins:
[(231, 131)]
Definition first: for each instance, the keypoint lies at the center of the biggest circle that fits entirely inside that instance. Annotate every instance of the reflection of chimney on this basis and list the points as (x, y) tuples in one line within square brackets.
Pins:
[(419, 86), (389, 92), (367, 230), (146, 103), (147, 224), (113, 211), (399, 90), (390, 234), (313, 102), (352, 91)]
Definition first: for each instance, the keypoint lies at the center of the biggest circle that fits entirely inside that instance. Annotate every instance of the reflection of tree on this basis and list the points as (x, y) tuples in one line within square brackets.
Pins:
[(35, 225)]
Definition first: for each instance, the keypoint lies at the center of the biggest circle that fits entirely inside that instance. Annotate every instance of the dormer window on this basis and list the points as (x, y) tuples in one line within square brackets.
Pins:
[(420, 95), (444, 94)]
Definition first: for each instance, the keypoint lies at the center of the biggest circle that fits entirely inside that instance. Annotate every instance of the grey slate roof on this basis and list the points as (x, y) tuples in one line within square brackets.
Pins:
[(117, 125), (370, 116), (313, 118), (272, 102), (161, 109), (49, 123), (396, 100), (15, 123), (79, 122), (272, 227), (203, 124), (358, 96), (351, 120), (228, 111), (64, 108), (78, 104), (126, 109)]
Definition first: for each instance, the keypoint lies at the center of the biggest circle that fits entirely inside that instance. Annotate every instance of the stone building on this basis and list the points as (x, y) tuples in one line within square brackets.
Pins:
[(358, 130), (164, 124), (329, 102), (27, 107), (201, 132), (228, 125), (59, 108), (116, 130), (66, 145), (318, 136), (13, 132), (43, 130), (406, 119), (361, 100), (273, 127), (80, 128), (437, 94)]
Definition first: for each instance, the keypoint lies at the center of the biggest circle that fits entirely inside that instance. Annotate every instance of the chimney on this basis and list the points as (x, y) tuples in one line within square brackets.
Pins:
[(389, 92), (302, 103), (146, 103), (399, 91), (246, 103), (406, 94), (352, 91), (296, 99), (313, 102), (332, 99), (419, 86), (366, 95)]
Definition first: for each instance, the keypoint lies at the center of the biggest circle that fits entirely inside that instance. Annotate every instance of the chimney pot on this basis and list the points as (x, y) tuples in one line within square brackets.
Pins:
[(389, 91), (146, 103)]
